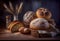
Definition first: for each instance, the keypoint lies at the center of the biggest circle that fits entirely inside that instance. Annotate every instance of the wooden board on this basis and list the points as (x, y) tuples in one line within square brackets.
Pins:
[(7, 35)]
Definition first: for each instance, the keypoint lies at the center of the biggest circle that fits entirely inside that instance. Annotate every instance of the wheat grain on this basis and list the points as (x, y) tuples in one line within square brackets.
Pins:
[(7, 9), (11, 7), (16, 8), (20, 7)]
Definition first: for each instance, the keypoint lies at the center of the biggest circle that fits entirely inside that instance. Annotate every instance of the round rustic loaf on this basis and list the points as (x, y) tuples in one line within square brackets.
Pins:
[(28, 17), (39, 24), (43, 13)]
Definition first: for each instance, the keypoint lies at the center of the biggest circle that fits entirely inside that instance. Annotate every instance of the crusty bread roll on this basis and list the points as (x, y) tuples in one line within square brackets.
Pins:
[(24, 30), (52, 21), (28, 17), (43, 13), (15, 25)]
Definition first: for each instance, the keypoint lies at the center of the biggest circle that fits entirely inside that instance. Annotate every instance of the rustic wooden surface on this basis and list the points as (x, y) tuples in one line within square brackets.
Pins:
[(7, 35)]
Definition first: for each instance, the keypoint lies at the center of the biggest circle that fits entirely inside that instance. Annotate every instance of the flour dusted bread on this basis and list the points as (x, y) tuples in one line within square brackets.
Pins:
[(39, 24)]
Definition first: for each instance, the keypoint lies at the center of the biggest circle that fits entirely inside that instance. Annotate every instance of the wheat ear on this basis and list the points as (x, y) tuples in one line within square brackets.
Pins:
[(20, 7), (11, 7), (16, 9), (7, 9)]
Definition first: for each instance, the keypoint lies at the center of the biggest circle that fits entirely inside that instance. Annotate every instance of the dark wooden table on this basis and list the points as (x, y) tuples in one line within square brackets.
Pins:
[(7, 35)]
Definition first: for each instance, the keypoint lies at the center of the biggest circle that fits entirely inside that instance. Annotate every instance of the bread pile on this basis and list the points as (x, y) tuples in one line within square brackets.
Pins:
[(40, 23), (37, 23)]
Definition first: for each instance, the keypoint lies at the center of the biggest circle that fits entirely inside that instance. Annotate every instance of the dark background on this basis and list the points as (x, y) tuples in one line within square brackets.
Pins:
[(33, 5)]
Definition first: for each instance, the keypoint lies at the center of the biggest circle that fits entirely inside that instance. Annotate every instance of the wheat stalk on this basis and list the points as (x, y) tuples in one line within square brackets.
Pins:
[(20, 7), (16, 8), (11, 7), (7, 9), (11, 10)]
